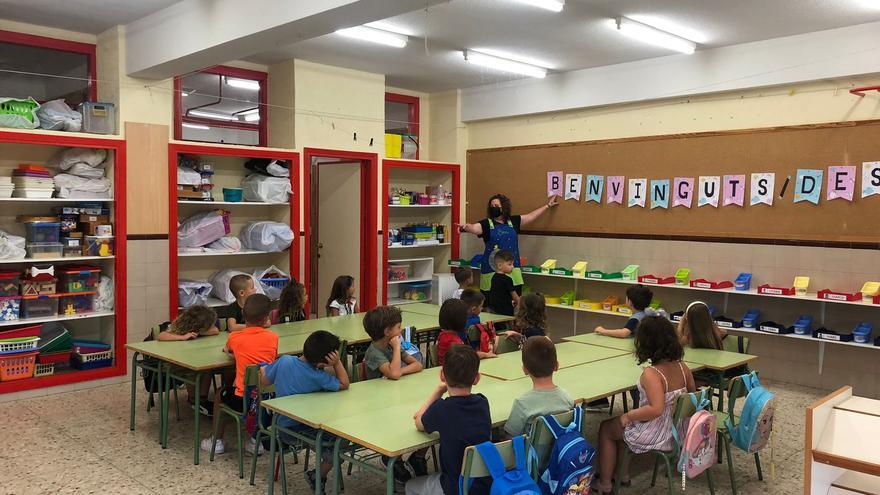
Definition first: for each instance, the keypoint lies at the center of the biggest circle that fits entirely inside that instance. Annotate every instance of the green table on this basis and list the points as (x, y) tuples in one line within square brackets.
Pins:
[(509, 366), (602, 341), (434, 310)]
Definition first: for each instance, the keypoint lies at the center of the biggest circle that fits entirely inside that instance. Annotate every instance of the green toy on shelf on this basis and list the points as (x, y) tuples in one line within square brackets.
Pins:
[(568, 298), (602, 275), (631, 272), (683, 276)]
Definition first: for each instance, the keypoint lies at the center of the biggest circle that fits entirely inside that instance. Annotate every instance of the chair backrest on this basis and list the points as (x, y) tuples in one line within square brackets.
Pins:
[(474, 467), (684, 409), (542, 439), (156, 330), (434, 355), (506, 345), (223, 324), (736, 389), (736, 343)]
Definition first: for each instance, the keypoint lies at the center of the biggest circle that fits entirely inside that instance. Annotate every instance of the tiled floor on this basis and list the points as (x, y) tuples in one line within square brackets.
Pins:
[(79, 442)]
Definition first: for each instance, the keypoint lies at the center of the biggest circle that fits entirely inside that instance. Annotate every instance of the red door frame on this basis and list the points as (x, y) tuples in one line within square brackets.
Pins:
[(223, 70), (369, 222), (175, 149), (455, 170), (414, 102)]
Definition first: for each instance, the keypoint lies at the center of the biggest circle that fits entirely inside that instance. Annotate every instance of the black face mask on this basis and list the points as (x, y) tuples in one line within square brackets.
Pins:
[(495, 211)]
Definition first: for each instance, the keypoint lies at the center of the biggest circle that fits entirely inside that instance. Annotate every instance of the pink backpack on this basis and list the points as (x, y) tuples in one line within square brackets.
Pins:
[(697, 452)]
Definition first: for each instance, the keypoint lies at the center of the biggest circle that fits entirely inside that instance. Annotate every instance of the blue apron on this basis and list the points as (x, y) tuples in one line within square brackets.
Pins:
[(501, 237)]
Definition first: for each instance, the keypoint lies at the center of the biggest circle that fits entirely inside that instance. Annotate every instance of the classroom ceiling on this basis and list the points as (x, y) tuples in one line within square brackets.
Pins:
[(84, 16), (577, 38)]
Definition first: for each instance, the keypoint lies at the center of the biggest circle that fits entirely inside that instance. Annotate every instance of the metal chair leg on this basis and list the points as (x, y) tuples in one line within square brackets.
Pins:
[(654, 473), (730, 466), (758, 467), (669, 477)]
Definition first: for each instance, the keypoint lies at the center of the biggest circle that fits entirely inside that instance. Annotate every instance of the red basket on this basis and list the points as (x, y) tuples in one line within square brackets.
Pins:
[(54, 357), (32, 331), (17, 366)]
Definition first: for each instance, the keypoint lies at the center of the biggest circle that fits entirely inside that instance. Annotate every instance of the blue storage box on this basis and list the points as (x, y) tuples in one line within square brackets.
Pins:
[(743, 281), (750, 319), (43, 231), (802, 326), (676, 316), (862, 333)]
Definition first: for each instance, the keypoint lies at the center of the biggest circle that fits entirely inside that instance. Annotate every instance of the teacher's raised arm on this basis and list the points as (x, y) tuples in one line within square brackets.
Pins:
[(500, 231)]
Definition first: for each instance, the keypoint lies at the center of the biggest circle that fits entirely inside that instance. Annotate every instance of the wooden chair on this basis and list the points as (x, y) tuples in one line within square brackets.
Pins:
[(736, 389)]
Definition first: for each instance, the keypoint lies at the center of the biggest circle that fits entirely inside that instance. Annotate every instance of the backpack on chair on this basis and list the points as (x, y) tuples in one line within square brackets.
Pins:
[(698, 444), (752, 432), (570, 470), (517, 481)]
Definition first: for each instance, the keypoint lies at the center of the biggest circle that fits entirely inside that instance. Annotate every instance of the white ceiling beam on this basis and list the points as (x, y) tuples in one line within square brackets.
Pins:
[(194, 34), (834, 53)]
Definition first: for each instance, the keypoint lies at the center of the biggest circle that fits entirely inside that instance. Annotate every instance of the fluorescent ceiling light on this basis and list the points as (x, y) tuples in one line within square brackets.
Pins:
[(672, 27), (252, 117), (391, 28), (554, 5), (211, 115), (184, 93), (243, 83), (504, 64), (374, 35), (653, 36), (514, 56), (195, 126)]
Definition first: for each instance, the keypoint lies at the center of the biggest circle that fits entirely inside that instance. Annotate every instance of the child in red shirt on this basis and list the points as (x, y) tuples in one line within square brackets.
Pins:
[(453, 316)]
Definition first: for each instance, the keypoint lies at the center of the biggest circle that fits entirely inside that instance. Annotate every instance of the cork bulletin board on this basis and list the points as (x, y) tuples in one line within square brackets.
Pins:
[(521, 174)]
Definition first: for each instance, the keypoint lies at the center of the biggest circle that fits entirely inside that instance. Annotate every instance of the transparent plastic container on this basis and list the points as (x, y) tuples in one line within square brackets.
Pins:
[(9, 282), (38, 250), (40, 307), (38, 232), (98, 118), (80, 279), (75, 304)]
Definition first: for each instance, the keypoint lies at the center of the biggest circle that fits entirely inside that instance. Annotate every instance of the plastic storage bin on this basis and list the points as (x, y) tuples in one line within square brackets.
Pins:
[(42, 231), (54, 357), (80, 279), (98, 118), (32, 331), (398, 272), (39, 307), (98, 245), (802, 326), (20, 344), (683, 276), (568, 298), (45, 287), (743, 281), (92, 360), (416, 291), (232, 194), (75, 304), (17, 366), (750, 319), (862, 332), (39, 250), (9, 282), (10, 308), (631, 272), (45, 369)]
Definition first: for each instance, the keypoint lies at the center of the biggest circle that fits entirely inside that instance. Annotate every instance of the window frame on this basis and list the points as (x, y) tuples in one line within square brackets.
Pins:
[(224, 70), (413, 125), (87, 49)]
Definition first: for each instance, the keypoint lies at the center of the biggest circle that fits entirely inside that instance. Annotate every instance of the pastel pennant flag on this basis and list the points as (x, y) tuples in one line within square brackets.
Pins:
[(660, 194), (870, 179), (638, 191), (683, 191), (763, 187), (709, 191), (614, 190), (841, 182), (808, 186), (554, 184), (594, 188), (573, 186), (734, 190)]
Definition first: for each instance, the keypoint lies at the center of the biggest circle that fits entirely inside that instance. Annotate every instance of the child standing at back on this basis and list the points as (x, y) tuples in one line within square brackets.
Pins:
[(638, 297), (539, 363), (341, 301), (464, 277), (648, 427), (254, 345), (502, 295), (292, 304), (241, 286)]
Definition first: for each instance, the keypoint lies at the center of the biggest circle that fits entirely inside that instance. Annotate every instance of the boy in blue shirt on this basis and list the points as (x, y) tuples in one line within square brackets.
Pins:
[(318, 369), (638, 297), (462, 419)]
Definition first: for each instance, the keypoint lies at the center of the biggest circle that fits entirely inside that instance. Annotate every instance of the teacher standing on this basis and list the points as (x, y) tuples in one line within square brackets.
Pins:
[(500, 231)]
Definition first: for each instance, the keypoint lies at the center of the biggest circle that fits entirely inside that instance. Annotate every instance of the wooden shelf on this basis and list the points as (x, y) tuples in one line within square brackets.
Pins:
[(57, 260), (419, 206), (582, 310), (31, 321), (401, 302), (245, 252), (57, 200), (229, 203), (415, 246), (408, 281)]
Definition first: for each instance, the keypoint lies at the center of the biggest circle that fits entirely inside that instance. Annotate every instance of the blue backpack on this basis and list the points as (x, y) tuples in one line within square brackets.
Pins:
[(752, 432), (570, 470), (514, 482)]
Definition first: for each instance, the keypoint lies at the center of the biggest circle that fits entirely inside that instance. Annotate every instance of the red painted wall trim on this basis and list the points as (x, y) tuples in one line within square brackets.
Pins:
[(86, 49)]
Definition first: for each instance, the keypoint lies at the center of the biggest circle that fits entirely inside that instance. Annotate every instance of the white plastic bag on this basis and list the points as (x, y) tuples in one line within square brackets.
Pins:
[(201, 229), (266, 236), (86, 171), (92, 157), (192, 292), (220, 285), (55, 115), (104, 299), (277, 170), (188, 177), (12, 247), (17, 121), (71, 186), (261, 188), (273, 289), (227, 244)]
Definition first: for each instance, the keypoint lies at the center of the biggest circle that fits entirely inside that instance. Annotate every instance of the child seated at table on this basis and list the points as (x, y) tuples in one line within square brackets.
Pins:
[(698, 329), (638, 297), (319, 368), (292, 304), (462, 419), (452, 318), (191, 323), (464, 277), (385, 358), (341, 301), (531, 316), (539, 363), (481, 336), (241, 286), (648, 427), (254, 345)]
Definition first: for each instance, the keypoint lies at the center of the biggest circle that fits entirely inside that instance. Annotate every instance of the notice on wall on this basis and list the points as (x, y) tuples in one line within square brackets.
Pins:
[(683, 191), (709, 191), (763, 188), (660, 194), (870, 179), (841, 182), (554, 183), (638, 191), (734, 190), (615, 190), (573, 186), (594, 188), (808, 186)]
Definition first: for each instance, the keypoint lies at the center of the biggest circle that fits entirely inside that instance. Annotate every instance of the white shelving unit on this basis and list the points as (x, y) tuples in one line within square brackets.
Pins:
[(56, 200), (32, 321), (244, 252), (421, 270), (230, 203), (55, 260), (419, 246), (419, 206)]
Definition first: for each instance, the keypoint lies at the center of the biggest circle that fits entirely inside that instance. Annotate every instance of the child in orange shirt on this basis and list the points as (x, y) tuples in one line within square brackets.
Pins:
[(254, 345)]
